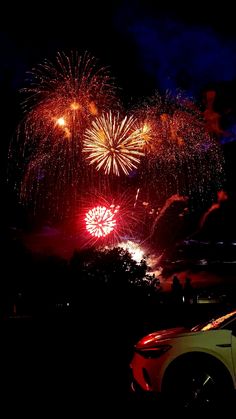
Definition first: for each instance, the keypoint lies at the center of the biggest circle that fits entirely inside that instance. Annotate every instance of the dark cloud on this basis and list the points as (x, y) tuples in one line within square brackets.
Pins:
[(177, 53)]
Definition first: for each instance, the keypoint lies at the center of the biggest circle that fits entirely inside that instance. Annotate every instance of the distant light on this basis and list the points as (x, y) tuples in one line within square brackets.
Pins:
[(203, 262)]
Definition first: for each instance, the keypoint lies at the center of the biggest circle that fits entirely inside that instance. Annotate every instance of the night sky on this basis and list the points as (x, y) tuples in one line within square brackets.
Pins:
[(147, 46)]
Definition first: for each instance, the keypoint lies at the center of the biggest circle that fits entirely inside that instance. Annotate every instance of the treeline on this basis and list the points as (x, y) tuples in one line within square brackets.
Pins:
[(36, 282)]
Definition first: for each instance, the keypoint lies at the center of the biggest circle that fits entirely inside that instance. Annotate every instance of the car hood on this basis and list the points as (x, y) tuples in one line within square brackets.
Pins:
[(162, 335)]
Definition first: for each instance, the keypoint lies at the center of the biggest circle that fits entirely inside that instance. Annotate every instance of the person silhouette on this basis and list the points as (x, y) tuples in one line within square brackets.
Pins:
[(177, 290), (188, 291)]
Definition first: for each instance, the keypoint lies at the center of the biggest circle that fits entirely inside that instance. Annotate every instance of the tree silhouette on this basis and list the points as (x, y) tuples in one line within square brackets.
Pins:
[(114, 268)]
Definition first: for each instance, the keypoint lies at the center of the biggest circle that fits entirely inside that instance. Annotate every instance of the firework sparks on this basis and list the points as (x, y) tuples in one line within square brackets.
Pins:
[(180, 155), (173, 127), (136, 197), (113, 144), (73, 88), (72, 83), (146, 133), (62, 99), (100, 221)]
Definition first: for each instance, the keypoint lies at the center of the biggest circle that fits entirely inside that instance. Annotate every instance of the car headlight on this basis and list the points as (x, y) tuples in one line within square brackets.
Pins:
[(153, 352)]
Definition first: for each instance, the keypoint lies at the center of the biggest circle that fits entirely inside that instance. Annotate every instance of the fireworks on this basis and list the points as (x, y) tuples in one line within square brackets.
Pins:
[(114, 144), (120, 203), (173, 127), (180, 156), (100, 221), (62, 100), (73, 139), (72, 84)]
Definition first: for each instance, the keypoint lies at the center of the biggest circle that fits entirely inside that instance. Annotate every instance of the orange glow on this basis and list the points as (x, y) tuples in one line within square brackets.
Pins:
[(164, 117), (146, 134), (93, 108), (61, 122), (67, 133), (75, 106)]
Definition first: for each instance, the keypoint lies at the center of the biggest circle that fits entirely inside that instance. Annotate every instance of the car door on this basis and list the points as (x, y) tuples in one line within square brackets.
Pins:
[(231, 326), (233, 329)]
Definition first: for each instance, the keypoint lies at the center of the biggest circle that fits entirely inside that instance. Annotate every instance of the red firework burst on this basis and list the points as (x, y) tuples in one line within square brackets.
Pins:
[(100, 221)]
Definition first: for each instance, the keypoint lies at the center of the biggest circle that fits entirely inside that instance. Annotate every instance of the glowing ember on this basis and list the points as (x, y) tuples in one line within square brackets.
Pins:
[(100, 221), (61, 122)]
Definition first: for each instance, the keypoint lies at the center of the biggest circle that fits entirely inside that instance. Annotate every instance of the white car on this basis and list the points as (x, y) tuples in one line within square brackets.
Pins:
[(191, 368)]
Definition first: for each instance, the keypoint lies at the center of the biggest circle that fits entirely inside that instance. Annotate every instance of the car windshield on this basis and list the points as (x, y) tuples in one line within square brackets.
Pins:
[(214, 323)]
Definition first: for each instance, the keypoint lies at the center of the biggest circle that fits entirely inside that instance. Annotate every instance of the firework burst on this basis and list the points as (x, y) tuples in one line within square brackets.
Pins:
[(61, 101), (71, 85), (120, 203), (114, 144), (100, 221)]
